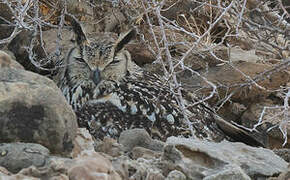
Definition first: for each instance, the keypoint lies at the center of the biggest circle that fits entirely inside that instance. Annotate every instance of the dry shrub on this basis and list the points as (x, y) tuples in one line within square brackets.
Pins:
[(176, 32)]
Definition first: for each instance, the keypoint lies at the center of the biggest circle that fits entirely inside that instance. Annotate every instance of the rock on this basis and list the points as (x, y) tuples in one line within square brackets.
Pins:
[(92, 166), (284, 153), (197, 165), (232, 111), (114, 21), (5, 32), (140, 152), (110, 146), (4, 175), (173, 159), (226, 76), (195, 61), (57, 168), (5, 13), (236, 133), (6, 60), (79, 8), (177, 162), (176, 175), (238, 54), (174, 8), (50, 37), (82, 142), (16, 156), (155, 176), (60, 177), (18, 46), (111, 18), (139, 138), (3, 170), (121, 166), (140, 168), (140, 54), (221, 159), (170, 153), (201, 60), (271, 118), (145, 168), (33, 110), (51, 41), (283, 176), (232, 171)]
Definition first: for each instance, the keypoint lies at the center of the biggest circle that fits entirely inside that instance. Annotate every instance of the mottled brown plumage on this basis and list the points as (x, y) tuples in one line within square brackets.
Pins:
[(110, 93)]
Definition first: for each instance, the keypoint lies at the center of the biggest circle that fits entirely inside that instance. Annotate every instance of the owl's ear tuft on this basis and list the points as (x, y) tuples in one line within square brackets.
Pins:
[(124, 39), (81, 38)]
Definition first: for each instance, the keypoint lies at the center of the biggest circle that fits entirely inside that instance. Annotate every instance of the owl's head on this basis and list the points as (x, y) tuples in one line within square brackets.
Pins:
[(100, 58)]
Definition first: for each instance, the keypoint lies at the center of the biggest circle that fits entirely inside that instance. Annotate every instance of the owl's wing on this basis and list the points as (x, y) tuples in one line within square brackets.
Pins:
[(140, 103), (103, 117)]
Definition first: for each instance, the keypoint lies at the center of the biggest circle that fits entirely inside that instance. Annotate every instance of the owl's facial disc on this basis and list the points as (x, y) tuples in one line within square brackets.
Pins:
[(96, 76)]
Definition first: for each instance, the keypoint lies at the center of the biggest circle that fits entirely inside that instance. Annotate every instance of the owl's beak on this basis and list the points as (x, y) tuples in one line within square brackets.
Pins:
[(96, 76)]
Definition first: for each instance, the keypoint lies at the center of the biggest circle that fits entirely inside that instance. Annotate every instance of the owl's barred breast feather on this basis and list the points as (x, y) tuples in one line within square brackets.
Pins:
[(141, 101), (110, 94)]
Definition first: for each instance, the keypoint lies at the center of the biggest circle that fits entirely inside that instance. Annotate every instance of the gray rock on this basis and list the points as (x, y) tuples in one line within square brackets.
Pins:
[(283, 176), (284, 153), (176, 175), (229, 172), (194, 166), (33, 110), (145, 169), (139, 138), (220, 159), (18, 46), (16, 156), (170, 153), (140, 152), (8, 60), (110, 147)]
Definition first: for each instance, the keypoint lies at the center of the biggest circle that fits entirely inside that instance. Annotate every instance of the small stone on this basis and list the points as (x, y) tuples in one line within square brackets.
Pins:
[(82, 142), (139, 138), (170, 153), (92, 166), (140, 152), (110, 146), (16, 156), (175, 175)]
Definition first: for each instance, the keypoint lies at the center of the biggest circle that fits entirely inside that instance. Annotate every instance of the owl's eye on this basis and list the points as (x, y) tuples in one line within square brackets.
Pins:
[(80, 60)]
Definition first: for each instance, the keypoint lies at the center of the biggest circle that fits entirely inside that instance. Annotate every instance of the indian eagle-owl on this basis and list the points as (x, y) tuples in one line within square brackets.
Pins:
[(110, 93)]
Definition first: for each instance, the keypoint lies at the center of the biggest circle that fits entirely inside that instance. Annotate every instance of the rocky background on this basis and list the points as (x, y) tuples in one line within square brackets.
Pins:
[(234, 54)]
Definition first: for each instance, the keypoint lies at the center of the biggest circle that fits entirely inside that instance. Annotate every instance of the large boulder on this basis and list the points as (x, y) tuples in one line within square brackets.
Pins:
[(231, 80), (6, 61), (219, 160), (33, 110)]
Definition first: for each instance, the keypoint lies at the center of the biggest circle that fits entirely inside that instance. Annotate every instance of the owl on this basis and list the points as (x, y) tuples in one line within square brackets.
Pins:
[(110, 93)]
